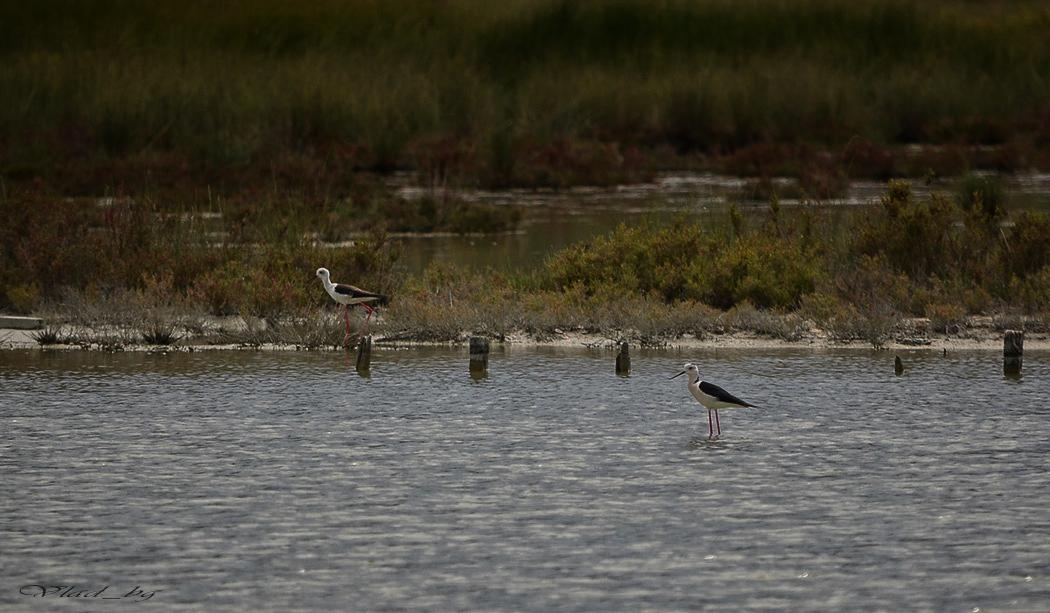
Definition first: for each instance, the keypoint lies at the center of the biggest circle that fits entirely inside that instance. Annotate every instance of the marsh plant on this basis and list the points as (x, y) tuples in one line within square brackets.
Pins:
[(783, 326), (160, 328), (773, 272), (308, 329), (50, 335)]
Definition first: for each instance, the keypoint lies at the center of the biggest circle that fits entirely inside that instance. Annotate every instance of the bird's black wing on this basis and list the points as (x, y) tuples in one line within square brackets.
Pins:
[(358, 293), (713, 390)]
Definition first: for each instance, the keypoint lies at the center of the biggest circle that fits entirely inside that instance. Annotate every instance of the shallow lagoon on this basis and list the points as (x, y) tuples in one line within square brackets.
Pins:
[(283, 481)]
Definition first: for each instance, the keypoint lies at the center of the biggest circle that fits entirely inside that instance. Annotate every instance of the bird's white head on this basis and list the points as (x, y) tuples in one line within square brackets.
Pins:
[(691, 369), (322, 273)]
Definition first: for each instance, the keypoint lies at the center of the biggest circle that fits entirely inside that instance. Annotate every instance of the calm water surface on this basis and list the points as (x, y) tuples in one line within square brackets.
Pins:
[(252, 481)]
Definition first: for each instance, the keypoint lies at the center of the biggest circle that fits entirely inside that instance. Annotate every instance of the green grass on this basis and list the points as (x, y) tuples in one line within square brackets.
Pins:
[(141, 271), (186, 89)]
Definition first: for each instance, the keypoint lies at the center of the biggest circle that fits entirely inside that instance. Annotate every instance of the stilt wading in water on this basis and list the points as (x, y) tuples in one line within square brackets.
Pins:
[(712, 397)]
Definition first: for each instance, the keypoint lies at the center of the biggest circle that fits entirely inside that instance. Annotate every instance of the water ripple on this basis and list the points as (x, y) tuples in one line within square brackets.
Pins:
[(282, 482)]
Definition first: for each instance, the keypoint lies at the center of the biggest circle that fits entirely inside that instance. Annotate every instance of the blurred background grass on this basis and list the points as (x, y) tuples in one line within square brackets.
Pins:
[(229, 84)]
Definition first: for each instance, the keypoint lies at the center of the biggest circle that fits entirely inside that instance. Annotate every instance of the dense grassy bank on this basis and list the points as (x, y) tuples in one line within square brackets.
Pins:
[(302, 97), (858, 275)]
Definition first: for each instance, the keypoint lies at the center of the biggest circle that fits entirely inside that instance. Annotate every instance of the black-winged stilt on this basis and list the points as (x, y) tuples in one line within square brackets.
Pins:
[(348, 295), (712, 397)]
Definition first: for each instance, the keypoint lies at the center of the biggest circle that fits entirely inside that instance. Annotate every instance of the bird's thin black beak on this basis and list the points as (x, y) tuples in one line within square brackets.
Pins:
[(678, 375), (310, 280)]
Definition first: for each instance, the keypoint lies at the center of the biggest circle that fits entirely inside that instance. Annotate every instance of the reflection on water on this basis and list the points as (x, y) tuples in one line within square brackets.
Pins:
[(254, 481)]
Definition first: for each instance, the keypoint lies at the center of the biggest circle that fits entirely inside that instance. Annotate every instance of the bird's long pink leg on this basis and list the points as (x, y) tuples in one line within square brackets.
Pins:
[(718, 425), (710, 425), (346, 314), (369, 309)]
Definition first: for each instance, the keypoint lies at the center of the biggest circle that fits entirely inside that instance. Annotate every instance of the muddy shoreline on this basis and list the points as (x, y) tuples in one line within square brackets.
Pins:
[(979, 334)]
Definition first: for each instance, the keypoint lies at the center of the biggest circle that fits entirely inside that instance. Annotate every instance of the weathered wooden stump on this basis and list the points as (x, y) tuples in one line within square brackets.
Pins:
[(898, 366), (364, 354), (479, 355), (623, 360), (1013, 351)]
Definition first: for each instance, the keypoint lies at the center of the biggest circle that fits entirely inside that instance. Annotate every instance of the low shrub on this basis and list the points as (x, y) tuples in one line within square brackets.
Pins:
[(49, 335), (764, 269), (24, 298), (983, 196), (160, 330), (946, 318), (767, 270)]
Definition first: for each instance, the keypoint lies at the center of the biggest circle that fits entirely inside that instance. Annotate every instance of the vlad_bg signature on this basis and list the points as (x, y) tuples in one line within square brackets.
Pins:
[(75, 591)]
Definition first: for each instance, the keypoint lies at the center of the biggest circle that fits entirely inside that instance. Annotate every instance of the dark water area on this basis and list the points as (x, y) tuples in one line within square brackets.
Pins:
[(285, 481)]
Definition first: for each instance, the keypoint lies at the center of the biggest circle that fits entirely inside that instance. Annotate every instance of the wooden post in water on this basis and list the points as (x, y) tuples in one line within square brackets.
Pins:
[(364, 354), (1013, 350), (623, 360), (479, 355), (898, 366)]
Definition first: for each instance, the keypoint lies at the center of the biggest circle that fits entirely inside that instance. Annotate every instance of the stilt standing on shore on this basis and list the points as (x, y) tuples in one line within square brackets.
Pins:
[(348, 295)]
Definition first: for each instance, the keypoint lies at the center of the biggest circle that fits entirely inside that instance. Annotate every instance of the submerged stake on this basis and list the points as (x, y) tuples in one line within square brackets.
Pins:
[(1013, 350), (364, 354), (623, 360), (479, 354)]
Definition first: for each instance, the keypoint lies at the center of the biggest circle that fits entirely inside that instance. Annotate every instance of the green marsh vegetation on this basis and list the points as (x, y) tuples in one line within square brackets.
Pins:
[(777, 272), (232, 140)]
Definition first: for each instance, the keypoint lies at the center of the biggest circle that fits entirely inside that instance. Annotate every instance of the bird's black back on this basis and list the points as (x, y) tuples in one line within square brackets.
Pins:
[(717, 392)]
